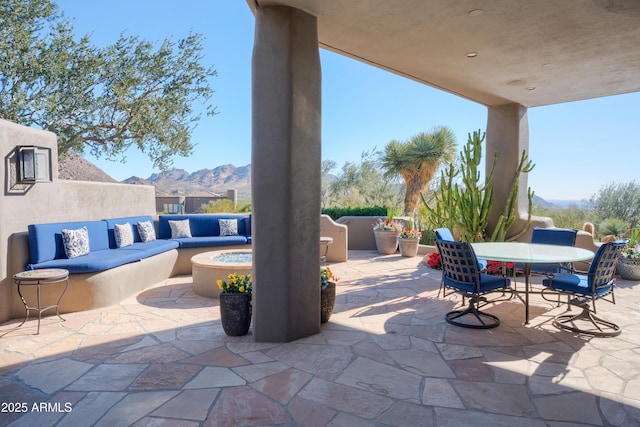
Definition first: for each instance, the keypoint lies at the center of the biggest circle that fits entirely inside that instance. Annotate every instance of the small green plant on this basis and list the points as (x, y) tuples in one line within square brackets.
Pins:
[(613, 227), (632, 248)]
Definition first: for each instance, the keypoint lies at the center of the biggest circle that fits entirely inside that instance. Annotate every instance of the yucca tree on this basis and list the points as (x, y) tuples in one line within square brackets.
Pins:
[(417, 161)]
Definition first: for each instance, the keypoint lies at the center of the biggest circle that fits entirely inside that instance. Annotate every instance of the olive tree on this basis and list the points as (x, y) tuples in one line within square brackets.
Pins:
[(105, 99), (618, 200)]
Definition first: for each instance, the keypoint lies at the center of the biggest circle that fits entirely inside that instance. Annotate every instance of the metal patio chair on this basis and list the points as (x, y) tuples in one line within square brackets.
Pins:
[(587, 287), (460, 273)]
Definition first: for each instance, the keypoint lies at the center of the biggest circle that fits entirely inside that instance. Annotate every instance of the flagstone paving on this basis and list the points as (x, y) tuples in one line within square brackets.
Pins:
[(386, 357)]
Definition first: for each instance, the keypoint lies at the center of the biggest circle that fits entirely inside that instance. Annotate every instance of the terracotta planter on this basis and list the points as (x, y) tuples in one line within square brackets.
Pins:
[(629, 268), (235, 313), (327, 301), (408, 247), (386, 241)]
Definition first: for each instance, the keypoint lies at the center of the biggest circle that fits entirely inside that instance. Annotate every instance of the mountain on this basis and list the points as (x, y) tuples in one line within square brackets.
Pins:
[(74, 168), (216, 180), (174, 182)]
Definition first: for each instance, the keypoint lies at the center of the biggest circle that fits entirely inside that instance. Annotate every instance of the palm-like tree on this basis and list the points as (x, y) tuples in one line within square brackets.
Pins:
[(417, 161)]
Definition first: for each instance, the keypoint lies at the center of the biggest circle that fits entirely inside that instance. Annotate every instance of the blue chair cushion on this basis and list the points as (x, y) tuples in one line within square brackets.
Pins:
[(444, 234), (551, 236), (575, 284), (488, 283)]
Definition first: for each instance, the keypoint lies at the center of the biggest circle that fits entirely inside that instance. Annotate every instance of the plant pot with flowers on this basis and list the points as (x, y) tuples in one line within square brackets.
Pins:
[(386, 233), (327, 293), (235, 304), (628, 264), (408, 241)]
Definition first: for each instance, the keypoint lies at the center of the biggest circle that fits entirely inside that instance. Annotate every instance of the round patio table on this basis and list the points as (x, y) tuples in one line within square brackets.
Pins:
[(527, 254)]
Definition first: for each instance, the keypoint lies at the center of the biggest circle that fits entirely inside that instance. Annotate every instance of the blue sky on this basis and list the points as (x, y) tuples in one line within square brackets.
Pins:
[(577, 147)]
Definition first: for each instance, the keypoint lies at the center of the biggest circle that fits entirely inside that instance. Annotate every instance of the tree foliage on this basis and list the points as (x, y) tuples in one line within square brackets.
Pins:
[(417, 161), (362, 184), (107, 99), (618, 200)]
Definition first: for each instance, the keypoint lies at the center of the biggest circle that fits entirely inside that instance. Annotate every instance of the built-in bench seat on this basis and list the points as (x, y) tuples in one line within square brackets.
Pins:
[(108, 273), (46, 248)]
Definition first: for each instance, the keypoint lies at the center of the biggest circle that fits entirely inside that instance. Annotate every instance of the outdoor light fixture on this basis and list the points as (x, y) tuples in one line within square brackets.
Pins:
[(34, 164)]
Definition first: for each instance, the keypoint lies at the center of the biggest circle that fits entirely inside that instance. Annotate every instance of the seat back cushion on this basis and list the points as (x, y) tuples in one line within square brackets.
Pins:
[(554, 236), (45, 240), (202, 225)]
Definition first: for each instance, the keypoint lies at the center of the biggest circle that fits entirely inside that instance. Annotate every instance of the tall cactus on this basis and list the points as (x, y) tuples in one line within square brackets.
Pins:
[(508, 216), (466, 205)]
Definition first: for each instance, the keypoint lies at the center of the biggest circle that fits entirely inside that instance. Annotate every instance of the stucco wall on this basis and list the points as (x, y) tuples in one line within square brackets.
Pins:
[(54, 201)]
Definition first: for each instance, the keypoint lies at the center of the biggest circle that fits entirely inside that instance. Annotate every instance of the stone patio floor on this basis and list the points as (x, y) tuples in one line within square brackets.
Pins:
[(386, 357)]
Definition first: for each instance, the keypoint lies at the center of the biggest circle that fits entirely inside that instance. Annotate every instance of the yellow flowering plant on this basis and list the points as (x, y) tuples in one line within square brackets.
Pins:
[(236, 283), (326, 276)]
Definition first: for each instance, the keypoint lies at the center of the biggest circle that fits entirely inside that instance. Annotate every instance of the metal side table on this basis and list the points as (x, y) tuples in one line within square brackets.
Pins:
[(38, 278)]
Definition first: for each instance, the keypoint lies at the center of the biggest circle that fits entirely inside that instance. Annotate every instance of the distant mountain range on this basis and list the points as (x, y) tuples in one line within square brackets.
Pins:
[(216, 180), (175, 182), (205, 181)]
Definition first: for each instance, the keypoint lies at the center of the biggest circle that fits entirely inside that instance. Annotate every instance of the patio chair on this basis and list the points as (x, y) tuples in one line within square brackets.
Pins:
[(597, 283), (549, 236), (446, 235), (552, 236), (460, 273)]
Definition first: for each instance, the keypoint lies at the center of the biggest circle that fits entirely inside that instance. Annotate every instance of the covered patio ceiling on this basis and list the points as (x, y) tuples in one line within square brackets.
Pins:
[(494, 52)]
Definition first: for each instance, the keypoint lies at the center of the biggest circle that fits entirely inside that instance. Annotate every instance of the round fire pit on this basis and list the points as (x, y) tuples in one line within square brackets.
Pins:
[(209, 266)]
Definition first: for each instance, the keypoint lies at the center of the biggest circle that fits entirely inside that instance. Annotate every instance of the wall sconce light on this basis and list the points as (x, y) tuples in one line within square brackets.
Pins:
[(34, 164)]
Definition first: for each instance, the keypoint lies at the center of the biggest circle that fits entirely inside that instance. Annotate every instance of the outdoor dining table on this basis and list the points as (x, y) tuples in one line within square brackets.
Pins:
[(528, 254)]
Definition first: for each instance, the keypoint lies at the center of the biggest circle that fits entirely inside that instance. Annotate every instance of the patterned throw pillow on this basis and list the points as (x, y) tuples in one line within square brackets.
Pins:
[(228, 227), (75, 242), (146, 231), (180, 229), (124, 234)]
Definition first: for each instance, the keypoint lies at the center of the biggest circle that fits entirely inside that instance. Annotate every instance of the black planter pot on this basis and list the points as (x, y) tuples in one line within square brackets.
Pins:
[(327, 300), (235, 313)]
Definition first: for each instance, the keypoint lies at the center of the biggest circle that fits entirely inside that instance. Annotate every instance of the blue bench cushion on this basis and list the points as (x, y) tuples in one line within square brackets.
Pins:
[(94, 261), (108, 258), (202, 225), (203, 241), (45, 240)]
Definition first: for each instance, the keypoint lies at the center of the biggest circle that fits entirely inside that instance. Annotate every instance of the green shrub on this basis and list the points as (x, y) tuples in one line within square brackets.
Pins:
[(336, 213)]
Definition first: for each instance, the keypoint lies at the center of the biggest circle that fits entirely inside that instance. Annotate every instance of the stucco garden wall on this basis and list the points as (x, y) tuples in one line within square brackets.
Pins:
[(53, 201)]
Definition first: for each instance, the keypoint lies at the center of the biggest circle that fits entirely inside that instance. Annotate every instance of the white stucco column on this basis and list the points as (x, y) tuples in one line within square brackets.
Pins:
[(286, 109), (507, 132)]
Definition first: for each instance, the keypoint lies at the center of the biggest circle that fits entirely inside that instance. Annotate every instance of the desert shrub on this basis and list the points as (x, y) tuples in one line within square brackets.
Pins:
[(337, 212)]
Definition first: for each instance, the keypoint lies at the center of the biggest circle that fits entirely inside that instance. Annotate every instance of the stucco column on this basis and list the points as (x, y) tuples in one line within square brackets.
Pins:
[(286, 103), (507, 132)]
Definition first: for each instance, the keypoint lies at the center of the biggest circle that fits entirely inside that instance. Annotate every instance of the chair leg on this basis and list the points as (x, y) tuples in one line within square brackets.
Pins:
[(485, 320), (603, 328)]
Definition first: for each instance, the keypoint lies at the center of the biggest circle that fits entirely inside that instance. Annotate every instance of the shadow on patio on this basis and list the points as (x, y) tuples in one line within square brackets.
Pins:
[(386, 357)]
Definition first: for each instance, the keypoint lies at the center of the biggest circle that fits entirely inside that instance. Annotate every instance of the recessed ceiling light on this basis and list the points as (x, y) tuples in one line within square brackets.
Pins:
[(530, 88), (476, 12), (471, 54)]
